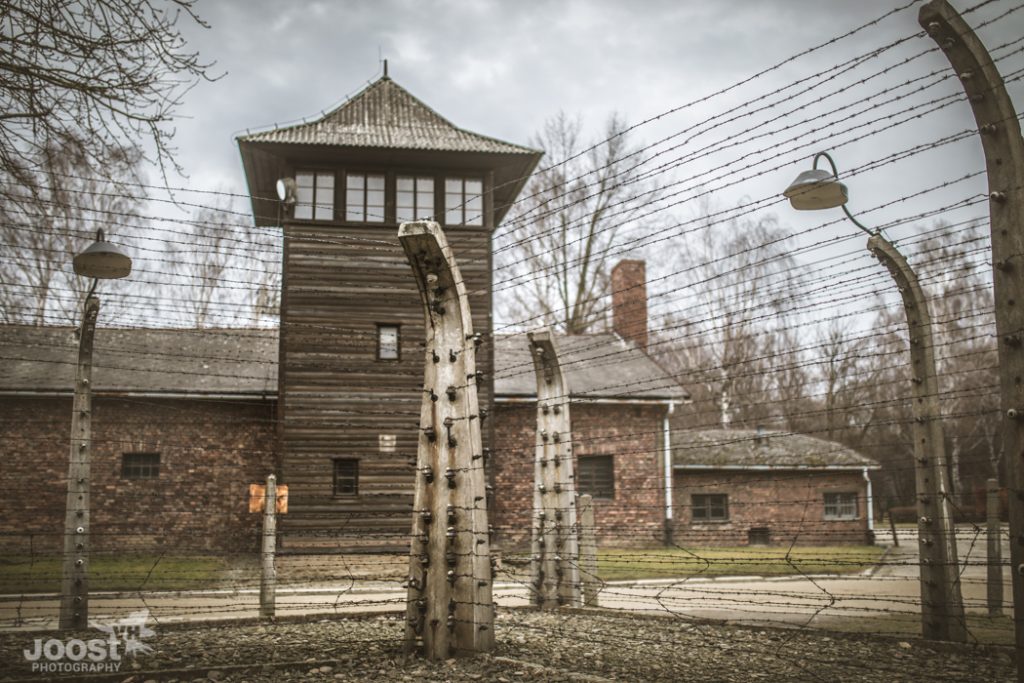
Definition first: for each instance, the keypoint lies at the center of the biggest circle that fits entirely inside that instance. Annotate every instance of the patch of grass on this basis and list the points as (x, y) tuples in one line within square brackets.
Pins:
[(26, 574), (981, 628), (660, 563)]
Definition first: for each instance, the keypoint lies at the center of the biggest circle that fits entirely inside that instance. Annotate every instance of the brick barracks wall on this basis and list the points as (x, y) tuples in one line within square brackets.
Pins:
[(210, 451), (630, 434), (791, 505)]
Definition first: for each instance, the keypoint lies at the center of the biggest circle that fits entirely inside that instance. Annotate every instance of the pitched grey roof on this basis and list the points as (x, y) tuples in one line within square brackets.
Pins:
[(595, 366), (244, 362), (746, 448), (200, 362), (385, 114), (382, 124)]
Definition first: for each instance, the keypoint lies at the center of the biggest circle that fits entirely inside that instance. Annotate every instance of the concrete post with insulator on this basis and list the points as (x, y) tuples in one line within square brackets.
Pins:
[(588, 551), (555, 574), (1000, 135), (74, 594), (450, 609), (942, 608)]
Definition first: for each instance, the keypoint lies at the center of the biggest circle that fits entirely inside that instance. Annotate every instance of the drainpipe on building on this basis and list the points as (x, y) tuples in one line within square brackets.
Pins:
[(869, 504), (667, 447)]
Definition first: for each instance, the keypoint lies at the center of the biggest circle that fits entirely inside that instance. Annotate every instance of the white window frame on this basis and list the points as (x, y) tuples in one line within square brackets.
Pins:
[(314, 195), (417, 202), (842, 506), (708, 505), (461, 205), (358, 195)]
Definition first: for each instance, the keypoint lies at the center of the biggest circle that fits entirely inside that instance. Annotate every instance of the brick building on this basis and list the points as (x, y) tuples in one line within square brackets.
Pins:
[(620, 405), (739, 487), (183, 421), (186, 419)]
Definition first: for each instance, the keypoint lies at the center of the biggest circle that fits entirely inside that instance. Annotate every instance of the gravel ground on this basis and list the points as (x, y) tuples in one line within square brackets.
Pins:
[(533, 646)]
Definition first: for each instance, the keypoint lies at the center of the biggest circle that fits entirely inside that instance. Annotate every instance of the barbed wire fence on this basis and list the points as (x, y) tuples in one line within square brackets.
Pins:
[(192, 554)]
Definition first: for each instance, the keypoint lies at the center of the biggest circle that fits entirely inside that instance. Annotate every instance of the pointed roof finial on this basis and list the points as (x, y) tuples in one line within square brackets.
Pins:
[(385, 68)]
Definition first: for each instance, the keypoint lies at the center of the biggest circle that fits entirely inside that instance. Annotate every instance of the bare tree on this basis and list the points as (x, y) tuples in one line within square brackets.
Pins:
[(226, 271), (793, 383), (841, 374), (87, 89), (50, 216), (109, 73), (740, 288), (953, 263), (569, 224), (865, 398)]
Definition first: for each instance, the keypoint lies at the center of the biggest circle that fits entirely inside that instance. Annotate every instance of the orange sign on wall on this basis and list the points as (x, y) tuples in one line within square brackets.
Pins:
[(258, 494)]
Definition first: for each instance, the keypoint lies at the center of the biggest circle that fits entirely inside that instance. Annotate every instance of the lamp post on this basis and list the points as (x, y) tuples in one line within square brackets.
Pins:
[(942, 611), (101, 260)]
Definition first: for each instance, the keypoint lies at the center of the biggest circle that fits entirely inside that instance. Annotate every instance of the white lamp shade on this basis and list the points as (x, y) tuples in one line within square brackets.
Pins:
[(816, 189), (102, 260)]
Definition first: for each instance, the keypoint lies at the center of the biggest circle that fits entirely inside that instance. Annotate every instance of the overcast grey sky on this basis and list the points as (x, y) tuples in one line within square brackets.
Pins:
[(499, 68), (502, 68)]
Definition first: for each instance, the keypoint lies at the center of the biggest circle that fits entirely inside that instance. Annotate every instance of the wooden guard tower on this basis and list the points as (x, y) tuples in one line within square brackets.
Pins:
[(351, 354)]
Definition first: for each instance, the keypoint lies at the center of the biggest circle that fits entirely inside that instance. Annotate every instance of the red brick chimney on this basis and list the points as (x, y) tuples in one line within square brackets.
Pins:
[(629, 301)]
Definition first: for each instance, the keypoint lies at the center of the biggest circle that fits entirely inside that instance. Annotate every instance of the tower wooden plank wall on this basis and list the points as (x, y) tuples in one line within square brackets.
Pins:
[(337, 400), (344, 274)]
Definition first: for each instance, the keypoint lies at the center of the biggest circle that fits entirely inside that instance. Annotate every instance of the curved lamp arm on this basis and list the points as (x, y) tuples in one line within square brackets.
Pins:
[(835, 173)]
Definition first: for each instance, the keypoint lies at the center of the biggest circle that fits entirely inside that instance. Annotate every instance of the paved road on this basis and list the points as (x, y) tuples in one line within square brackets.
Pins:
[(893, 588), (818, 600)]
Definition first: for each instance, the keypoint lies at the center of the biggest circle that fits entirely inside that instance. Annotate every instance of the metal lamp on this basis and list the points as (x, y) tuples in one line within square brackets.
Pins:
[(102, 260), (818, 189)]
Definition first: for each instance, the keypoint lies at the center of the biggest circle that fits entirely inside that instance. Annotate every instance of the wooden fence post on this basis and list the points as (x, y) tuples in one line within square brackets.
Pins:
[(450, 608), (268, 574), (555, 575), (588, 551), (995, 551)]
